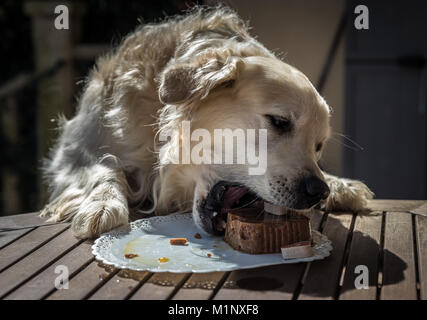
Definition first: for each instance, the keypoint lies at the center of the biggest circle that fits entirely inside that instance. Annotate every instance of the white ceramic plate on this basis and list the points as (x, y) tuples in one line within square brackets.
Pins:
[(149, 239)]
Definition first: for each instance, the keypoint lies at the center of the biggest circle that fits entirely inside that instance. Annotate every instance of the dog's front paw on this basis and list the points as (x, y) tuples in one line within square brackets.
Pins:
[(97, 217), (347, 195), (62, 208)]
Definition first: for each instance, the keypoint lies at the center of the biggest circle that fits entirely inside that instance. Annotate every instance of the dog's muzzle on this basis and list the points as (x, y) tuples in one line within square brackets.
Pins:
[(224, 196)]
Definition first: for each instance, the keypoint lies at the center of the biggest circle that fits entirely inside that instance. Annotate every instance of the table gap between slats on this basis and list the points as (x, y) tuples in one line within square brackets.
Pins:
[(421, 242), (381, 258), (416, 258), (345, 257)]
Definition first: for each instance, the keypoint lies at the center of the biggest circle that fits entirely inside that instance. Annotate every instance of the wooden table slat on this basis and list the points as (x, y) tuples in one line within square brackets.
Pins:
[(44, 282), (399, 279), (34, 262), (18, 249), (365, 250), (323, 276)]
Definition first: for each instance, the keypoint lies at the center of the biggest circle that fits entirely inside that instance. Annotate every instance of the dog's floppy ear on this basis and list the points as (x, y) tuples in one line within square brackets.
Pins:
[(181, 82)]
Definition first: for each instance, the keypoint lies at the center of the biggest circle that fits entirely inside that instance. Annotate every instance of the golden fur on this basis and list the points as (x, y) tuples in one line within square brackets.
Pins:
[(108, 160)]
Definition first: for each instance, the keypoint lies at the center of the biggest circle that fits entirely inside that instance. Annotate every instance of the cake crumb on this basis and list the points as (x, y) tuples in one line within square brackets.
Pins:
[(178, 241)]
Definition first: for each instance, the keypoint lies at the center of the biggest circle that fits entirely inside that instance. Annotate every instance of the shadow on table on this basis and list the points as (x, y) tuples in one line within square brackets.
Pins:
[(322, 277)]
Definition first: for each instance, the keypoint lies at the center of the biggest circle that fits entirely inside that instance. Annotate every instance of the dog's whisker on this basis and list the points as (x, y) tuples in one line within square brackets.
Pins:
[(332, 139), (349, 139)]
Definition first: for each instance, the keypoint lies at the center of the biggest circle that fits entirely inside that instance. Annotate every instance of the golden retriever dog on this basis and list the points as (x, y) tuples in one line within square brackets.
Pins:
[(202, 69)]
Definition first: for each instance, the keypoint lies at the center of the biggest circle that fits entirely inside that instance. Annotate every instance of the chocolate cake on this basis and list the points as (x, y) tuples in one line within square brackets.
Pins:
[(252, 230)]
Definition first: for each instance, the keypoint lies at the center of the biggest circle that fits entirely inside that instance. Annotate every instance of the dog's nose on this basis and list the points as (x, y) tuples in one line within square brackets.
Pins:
[(316, 188)]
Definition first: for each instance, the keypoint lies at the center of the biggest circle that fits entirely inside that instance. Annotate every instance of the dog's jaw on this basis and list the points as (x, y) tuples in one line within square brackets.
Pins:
[(200, 218), (211, 207)]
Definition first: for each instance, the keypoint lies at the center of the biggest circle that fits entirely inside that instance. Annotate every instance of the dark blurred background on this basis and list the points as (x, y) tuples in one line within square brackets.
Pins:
[(375, 80)]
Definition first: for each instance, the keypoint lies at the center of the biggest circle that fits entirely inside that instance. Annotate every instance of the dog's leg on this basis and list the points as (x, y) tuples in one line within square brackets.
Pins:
[(346, 194), (104, 209), (94, 201)]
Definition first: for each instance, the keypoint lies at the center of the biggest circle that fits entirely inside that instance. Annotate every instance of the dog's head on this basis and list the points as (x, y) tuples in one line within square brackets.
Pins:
[(252, 93)]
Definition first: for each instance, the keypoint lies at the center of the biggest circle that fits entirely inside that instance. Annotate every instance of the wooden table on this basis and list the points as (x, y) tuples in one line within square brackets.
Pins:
[(391, 241)]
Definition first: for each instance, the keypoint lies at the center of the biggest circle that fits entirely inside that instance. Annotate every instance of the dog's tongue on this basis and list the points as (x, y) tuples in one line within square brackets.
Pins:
[(231, 196)]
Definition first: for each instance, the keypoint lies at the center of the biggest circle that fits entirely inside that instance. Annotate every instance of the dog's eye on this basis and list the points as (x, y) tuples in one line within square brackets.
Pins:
[(319, 147), (281, 123)]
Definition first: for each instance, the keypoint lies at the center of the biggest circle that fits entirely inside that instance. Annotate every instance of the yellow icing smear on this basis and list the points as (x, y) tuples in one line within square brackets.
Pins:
[(163, 259)]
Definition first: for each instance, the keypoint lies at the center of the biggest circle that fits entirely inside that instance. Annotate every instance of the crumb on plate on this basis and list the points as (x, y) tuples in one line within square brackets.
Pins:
[(178, 241), (163, 259), (131, 255)]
